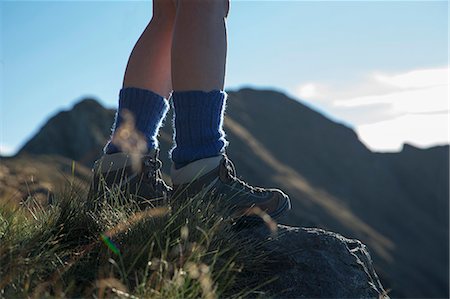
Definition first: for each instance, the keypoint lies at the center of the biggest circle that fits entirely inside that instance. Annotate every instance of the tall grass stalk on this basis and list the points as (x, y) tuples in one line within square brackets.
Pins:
[(182, 249)]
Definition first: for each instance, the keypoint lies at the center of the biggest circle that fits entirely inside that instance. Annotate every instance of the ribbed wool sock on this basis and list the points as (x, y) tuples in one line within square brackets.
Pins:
[(148, 109), (198, 121)]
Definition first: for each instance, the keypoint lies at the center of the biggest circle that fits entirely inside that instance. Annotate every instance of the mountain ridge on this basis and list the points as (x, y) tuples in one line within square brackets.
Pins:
[(335, 181)]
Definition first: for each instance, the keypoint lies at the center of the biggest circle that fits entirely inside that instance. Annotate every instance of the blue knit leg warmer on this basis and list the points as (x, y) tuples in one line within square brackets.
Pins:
[(198, 121), (148, 109)]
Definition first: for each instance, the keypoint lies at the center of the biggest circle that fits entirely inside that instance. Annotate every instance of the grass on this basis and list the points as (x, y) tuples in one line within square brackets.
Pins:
[(184, 249)]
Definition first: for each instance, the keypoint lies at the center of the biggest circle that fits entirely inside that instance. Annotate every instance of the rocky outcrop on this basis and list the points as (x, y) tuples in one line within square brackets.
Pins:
[(313, 263)]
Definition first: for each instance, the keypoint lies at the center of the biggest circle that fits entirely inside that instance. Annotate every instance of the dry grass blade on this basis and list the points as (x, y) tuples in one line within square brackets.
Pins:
[(137, 217), (129, 140), (269, 221)]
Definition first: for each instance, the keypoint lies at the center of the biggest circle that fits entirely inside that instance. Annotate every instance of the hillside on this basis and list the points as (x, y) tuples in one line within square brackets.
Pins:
[(78, 134), (396, 203), (31, 177)]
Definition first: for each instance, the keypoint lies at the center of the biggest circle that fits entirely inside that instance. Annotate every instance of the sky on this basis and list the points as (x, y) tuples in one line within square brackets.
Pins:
[(380, 67)]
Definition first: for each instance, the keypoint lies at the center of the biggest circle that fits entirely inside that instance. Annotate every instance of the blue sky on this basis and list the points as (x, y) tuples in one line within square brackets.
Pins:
[(379, 66)]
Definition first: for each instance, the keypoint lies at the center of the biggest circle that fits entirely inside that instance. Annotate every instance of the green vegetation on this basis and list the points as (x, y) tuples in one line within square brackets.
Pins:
[(179, 250)]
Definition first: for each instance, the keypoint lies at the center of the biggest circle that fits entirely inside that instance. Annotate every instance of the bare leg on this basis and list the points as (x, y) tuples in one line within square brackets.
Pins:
[(198, 72), (149, 66), (199, 45)]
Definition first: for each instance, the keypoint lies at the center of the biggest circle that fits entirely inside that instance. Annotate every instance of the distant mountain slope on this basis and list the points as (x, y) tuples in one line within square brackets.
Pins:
[(77, 134), (371, 186), (396, 203), (31, 178)]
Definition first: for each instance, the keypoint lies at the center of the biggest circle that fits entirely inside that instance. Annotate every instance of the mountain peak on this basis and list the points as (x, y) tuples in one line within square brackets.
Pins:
[(409, 147), (88, 103), (78, 134)]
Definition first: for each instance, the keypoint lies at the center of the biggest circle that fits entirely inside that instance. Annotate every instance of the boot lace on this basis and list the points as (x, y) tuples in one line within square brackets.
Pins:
[(237, 182), (151, 169)]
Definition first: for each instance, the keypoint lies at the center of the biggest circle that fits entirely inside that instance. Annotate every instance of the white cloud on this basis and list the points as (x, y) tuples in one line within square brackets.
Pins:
[(416, 78), (421, 100), (388, 110), (6, 150), (308, 90), (419, 130)]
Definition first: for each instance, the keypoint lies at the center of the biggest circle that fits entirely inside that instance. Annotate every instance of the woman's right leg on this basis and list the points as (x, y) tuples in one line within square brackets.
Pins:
[(149, 65), (147, 81), (130, 161)]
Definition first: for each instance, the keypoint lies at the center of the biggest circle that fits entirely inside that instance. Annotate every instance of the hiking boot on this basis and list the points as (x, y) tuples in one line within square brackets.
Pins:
[(139, 179), (204, 177)]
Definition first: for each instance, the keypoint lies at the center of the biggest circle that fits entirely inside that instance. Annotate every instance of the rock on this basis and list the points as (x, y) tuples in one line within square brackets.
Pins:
[(314, 263)]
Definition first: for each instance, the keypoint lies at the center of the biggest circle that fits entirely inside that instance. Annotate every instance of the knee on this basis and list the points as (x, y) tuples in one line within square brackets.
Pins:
[(217, 8)]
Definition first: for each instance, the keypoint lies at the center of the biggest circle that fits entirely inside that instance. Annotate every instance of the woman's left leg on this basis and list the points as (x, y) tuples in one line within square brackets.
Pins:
[(198, 73), (199, 45)]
